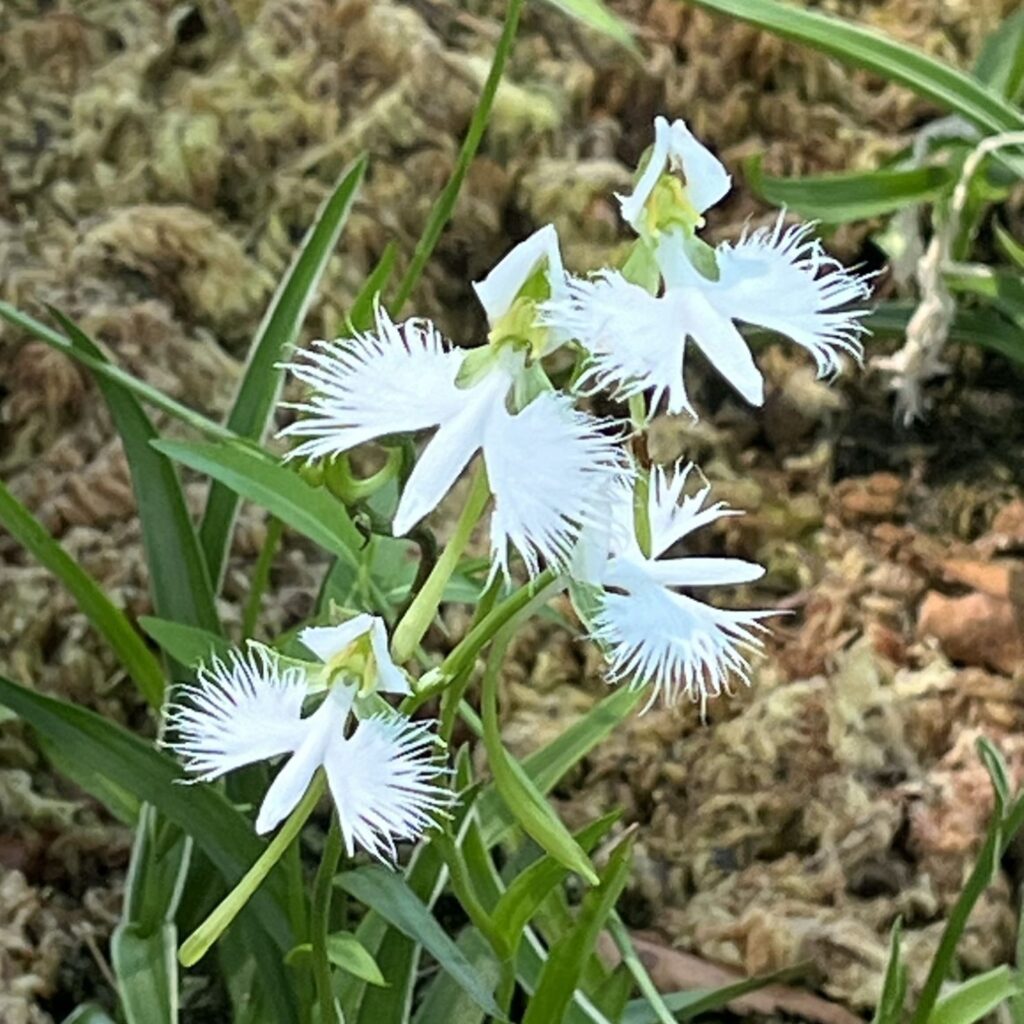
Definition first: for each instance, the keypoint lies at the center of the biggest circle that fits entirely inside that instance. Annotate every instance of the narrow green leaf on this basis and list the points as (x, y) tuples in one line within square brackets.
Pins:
[(691, 1003), (128, 761), (108, 371), (985, 327), (528, 890), (838, 198), (442, 209), (108, 620), (344, 950), (444, 1000), (894, 985), (1012, 249), (928, 77), (179, 581), (998, 773), (254, 475), (1017, 1000), (261, 381), (360, 316), (635, 966), (1000, 65), (973, 999), (187, 645), (515, 787), (596, 15), (568, 957), (547, 765), (143, 944), (389, 895)]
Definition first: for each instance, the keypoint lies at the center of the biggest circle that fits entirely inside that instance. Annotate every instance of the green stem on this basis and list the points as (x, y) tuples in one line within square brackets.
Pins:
[(350, 489), (461, 885), (320, 921), (445, 203), (261, 576), (416, 621), (195, 947), (642, 487)]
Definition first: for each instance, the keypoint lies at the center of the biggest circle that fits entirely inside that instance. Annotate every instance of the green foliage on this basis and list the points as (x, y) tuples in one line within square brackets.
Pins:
[(261, 382)]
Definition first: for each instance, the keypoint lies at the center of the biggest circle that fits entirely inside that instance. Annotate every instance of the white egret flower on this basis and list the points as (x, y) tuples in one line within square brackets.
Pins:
[(382, 774), (675, 149), (780, 279), (652, 635), (547, 463)]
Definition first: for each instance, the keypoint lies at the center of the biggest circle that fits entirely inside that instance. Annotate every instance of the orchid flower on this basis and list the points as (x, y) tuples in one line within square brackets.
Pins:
[(382, 774), (651, 634), (778, 278), (547, 463)]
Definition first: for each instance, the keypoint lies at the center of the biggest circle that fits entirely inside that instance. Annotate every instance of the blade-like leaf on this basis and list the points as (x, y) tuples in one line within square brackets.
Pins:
[(445, 202), (88, 1013), (254, 475), (894, 986), (515, 787), (344, 950), (951, 89), (261, 381), (546, 766), (360, 316), (445, 1000), (389, 895), (108, 620), (596, 15), (973, 999), (108, 371), (178, 577), (985, 327), (185, 644), (1000, 65), (568, 957), (225, 836), (838, 198)]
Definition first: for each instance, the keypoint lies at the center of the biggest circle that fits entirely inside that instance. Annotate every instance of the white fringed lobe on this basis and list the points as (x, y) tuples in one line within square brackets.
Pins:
[(653, 636)]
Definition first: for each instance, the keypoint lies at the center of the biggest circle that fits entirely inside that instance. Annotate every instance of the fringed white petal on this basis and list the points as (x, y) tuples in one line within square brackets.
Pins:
[(384, 781), (675, 644), (239, 711), (498, 290), (550, 468), (671, 514), (782, 279), (675, 148), (396, 380), (636, 341)]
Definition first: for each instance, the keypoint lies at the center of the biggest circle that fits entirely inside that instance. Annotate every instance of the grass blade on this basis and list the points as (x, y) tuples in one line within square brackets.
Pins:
[(569, 955), (108, 371), (951, 89), (252, 474), (261, 381), (108, 620), (838, 198), (973, 999), (1000, 65), (179, 580), (390, 896), (218, 829), (442, 208), (596, 15)]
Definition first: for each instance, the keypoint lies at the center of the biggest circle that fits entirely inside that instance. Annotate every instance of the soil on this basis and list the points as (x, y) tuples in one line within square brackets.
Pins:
[(162, 159)]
